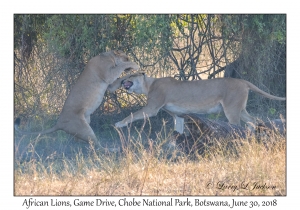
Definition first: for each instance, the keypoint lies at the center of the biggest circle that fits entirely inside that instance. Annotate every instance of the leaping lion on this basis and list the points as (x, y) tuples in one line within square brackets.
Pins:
[(87, 94), (188, 97)]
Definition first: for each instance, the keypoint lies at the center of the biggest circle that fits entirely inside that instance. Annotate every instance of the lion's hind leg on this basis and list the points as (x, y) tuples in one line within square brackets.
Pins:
[(80, 129), (233, 116), (248, 119), (235, 108)]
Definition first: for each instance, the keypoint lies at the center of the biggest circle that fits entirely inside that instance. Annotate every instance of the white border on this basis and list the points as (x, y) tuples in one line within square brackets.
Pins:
[(154, 6)]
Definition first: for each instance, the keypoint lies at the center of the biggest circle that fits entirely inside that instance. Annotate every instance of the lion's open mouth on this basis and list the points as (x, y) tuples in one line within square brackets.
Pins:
[(127, 84)]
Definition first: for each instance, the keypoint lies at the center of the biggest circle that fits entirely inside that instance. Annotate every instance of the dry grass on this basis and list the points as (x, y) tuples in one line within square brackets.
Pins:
[(151, 170)]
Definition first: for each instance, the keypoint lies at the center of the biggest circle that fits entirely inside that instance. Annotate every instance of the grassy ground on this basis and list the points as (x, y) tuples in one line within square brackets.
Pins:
[(135, 163)]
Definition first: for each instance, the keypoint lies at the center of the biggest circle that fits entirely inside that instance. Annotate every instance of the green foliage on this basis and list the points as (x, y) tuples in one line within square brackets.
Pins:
[(151, 37), (83, 36), (260, 27), (151, 31), (52, 50), (27, 29), (272, 111), (78, 36)]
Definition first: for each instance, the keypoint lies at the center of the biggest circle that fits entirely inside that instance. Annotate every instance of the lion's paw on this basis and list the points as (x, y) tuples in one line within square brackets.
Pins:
[(135, 66), (120, 124)]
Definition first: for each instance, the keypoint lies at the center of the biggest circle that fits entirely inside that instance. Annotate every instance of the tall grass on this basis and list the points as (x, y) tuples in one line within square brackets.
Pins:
[(143, 166)]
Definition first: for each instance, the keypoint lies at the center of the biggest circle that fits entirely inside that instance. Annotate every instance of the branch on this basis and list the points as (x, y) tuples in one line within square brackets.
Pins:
[(147, 65), (216, 72), (178, 50)]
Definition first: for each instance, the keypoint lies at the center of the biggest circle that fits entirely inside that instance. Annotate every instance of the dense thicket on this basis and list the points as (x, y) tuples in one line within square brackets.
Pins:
[(50, 51)]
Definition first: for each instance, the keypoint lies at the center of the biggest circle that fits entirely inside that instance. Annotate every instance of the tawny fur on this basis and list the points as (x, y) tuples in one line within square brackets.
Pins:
[(186, 97), (87, 94)]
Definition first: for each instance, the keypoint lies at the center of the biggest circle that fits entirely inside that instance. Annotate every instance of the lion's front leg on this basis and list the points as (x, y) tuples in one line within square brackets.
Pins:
[(117, 84), (121, 124), (129, 65), (178, 124), (141, 114), (117, 70)]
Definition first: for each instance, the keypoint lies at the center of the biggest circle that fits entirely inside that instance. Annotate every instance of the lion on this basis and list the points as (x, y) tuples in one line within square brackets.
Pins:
[(87, 94), (190, 97)]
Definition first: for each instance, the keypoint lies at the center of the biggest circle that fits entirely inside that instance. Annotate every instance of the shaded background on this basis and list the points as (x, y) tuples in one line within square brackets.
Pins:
[(50, 52)]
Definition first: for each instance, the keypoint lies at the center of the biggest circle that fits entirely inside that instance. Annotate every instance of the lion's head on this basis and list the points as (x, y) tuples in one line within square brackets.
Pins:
[(134, 83), (119, 57)]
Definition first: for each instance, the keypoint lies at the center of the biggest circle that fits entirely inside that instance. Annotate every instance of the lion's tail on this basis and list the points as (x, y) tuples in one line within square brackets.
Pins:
[(267, 95), (17, 124)]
